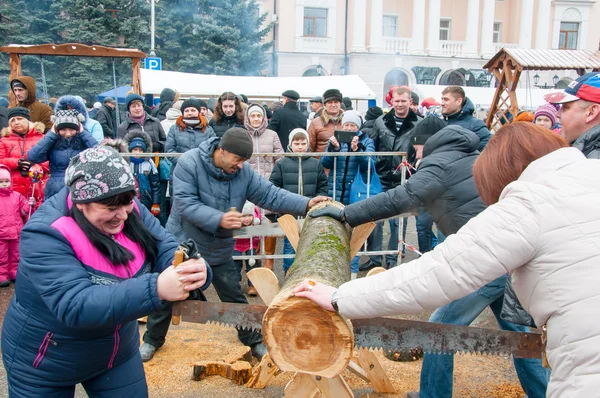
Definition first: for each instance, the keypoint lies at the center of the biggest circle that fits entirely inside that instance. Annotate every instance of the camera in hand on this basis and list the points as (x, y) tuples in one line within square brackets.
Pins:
[(24, 165), (344, 136)]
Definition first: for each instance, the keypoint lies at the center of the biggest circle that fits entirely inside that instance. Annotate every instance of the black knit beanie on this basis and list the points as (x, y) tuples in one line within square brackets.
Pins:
[(19, 111), (426, 128), (190, 103), (237, 141), (373, 113)]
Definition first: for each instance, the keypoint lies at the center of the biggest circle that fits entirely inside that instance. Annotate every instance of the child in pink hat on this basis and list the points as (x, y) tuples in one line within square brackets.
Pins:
[(545, 116)]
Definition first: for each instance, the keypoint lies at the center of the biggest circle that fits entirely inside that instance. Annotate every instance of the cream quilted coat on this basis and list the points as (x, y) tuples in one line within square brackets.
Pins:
[(544, 231)]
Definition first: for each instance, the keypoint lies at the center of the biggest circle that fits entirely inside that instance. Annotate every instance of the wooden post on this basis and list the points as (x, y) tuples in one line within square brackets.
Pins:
[(15, 71), (136, 81), (300, 335)]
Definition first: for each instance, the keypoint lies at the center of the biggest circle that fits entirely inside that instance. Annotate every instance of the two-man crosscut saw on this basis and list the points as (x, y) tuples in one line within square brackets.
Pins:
[(385, 333)]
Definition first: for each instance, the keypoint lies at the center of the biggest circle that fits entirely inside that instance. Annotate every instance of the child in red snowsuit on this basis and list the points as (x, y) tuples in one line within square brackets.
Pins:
[(14, 212)]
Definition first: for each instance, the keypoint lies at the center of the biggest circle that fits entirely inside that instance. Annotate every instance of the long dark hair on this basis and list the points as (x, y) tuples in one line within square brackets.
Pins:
[(239, 111), (134, 229)]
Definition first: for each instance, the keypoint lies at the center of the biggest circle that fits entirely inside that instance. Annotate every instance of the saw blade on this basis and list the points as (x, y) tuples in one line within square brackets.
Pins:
[(243, 316), (403, 335)]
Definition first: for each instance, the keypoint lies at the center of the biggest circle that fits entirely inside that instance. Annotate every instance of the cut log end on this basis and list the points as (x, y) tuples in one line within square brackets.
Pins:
[(318, 342)]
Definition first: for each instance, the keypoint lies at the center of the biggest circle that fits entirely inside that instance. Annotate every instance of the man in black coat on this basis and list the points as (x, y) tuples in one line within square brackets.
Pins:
[(107, 117), (392, 133), (287, 118)]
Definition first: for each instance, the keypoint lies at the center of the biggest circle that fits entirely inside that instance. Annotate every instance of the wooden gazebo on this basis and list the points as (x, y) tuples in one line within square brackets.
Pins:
[(508, 63), (73, 50)]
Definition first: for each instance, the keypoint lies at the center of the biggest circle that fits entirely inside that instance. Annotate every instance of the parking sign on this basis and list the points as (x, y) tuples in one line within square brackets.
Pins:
[(153, 63)]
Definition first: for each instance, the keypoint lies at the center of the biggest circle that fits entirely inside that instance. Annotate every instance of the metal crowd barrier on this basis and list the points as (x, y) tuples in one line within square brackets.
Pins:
[(403, 168)]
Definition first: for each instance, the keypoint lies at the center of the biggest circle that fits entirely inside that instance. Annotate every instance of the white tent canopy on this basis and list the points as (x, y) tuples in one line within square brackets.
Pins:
[(192, 84), (482, 96)]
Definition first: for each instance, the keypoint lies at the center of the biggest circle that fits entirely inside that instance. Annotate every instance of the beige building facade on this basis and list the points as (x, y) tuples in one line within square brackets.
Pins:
[(409, 42)]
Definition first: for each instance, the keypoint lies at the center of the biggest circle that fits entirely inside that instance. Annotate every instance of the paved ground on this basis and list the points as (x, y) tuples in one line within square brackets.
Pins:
[(216, 387)]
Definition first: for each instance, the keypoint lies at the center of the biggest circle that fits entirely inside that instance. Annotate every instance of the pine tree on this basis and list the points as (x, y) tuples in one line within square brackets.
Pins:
[(26, 22), (212, 36), (110, 23)]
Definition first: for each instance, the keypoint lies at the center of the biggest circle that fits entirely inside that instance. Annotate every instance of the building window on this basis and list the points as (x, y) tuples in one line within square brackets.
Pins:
[(497, 32), (390, 28), (315, 22), (569, 31), (444, 29)]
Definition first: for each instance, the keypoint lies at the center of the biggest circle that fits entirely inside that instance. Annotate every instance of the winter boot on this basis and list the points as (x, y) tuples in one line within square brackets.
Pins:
[(147, 352), (259, 350), (252, 291)]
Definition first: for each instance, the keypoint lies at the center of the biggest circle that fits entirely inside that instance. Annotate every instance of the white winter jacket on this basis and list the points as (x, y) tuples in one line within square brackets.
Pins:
[(544, 231)]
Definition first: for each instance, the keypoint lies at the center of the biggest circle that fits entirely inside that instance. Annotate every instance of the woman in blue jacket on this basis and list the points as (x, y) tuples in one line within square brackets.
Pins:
[(96, 260), (67, 138), (347, 166)]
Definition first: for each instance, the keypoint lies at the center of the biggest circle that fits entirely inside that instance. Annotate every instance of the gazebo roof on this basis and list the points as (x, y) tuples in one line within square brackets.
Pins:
[(546, 59)]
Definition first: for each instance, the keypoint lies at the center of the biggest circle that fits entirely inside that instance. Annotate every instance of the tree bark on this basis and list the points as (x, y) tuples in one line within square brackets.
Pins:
[(300, 335)]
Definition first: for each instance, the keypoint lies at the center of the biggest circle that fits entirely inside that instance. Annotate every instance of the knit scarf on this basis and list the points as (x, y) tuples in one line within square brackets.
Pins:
[(140, 120)]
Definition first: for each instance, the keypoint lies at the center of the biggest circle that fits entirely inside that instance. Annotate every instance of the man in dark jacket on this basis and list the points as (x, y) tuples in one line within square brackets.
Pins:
[(287, 118), (208, 182), (167, 98), (392, 133), (444, 184), (579, 114), (458, 110), (138, 119), (372, 114), (107, 117)]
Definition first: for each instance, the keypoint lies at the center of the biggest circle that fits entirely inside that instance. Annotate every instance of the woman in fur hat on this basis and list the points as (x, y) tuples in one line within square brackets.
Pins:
[(17, 139), (66, 138)]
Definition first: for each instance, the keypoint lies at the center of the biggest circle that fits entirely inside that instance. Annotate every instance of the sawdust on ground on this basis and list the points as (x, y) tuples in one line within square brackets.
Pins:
[(169, 373)]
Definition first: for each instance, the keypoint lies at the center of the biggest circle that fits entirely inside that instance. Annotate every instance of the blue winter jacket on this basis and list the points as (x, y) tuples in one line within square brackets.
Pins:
[(70, 101), (464, 118), (204, 192), (72, 317), (343, 174), (179, 141), (58, 151)]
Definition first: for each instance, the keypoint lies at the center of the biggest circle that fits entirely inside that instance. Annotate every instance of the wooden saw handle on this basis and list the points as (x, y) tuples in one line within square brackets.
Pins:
[(178, 259)]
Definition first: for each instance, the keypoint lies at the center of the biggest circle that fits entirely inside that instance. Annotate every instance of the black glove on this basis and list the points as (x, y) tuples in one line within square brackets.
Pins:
[(329, 211), (24, 165), (190, 250)]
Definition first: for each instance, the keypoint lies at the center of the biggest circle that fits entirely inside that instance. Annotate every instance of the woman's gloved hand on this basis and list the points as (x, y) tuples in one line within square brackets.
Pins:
[(329, 211)]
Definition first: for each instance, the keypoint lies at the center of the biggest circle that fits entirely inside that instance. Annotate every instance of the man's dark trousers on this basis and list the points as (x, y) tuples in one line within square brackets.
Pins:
[(226, 281)]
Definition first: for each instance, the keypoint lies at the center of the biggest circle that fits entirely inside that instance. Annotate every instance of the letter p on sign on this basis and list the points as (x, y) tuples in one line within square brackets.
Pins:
[(153, 63)]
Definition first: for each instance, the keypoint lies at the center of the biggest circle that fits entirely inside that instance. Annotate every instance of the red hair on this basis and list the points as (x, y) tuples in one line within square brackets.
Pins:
[(508, 153)]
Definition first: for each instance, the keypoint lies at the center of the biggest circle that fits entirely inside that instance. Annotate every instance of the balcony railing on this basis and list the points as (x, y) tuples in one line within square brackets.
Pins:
[(396, 45), (451, 48)]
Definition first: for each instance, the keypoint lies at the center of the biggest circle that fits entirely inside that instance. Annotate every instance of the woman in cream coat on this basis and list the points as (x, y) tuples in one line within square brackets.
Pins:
[(542, 227)]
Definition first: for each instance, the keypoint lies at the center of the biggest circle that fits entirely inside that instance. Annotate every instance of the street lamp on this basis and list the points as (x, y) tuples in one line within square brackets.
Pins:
[(152, 50), (319, 70), (536, 80)]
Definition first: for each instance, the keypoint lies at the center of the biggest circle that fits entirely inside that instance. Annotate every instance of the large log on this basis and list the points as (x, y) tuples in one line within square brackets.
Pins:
[(300, 335)]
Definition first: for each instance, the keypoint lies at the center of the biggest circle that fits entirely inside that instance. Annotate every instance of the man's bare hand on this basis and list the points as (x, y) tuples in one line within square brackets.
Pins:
[(231, 220), (317, 199)]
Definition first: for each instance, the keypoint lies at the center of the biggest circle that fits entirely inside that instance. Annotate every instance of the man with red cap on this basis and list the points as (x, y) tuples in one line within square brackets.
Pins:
[(579, 113)]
